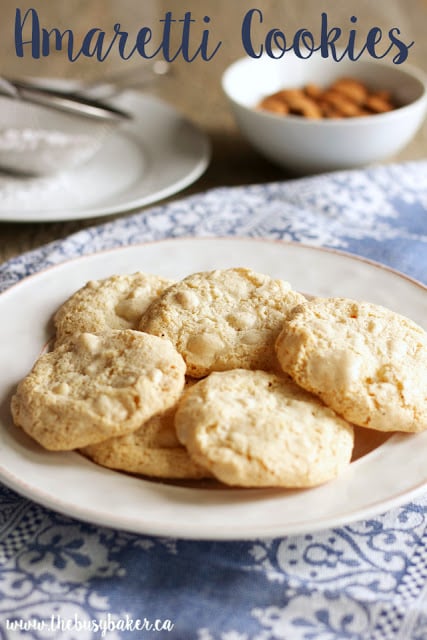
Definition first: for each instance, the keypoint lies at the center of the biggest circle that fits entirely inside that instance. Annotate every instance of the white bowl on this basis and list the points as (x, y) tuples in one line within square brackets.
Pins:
[(310, 146)]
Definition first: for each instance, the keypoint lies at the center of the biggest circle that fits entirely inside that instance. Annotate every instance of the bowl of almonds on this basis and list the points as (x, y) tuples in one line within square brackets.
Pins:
[(315, 114)]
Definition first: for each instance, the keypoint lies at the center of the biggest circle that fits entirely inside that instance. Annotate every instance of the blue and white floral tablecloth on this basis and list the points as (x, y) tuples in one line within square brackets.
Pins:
[(64, 579)]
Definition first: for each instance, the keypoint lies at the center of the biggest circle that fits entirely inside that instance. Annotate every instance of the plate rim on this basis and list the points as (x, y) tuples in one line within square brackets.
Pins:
[(260, 239)]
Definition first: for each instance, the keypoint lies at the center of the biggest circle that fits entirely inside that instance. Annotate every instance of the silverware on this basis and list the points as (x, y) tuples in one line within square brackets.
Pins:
[(45, 129), (69, 101), (88, 99)]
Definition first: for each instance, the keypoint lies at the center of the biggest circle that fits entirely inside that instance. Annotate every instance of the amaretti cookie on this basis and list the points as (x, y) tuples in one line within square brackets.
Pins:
[(113, 303), (222, 319), (94, 387), (365, 361), (152, 450), (258, 429)]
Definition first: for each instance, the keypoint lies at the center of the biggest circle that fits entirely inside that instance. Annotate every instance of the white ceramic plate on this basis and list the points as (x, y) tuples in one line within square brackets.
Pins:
[(389, 475), (156, 154)]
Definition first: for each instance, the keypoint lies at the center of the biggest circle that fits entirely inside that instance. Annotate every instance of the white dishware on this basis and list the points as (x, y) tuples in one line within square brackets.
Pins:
[(47, 130), (307, 145), (154, 155), (387, 476)]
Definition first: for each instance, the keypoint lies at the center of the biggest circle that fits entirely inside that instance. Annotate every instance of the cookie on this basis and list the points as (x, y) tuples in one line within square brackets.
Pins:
[(223, 319), (94, 387), (258, 429), (365, 361), (152, 450), (117, 302)]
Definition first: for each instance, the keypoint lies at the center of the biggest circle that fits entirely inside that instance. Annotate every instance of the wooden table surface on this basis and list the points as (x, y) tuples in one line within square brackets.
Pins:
[(194, 88)]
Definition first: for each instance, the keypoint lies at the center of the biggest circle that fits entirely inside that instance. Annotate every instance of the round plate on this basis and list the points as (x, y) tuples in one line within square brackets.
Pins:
[(154, 155), (69, 483)]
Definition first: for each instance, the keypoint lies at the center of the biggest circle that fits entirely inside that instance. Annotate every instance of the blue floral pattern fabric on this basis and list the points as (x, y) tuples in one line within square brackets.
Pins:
[(61, 578)]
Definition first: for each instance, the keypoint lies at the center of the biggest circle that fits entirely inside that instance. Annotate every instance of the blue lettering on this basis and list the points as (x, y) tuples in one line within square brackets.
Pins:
[(374, 37), (276, 38), (403, 48), (166, 41), (185, 41), (328, 38), (91, 49), (97, 44), (35, 33), (203, 49), (143, 37), (304, 37), (58, 41), (123, 37), (247, 33), (350, 48)]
